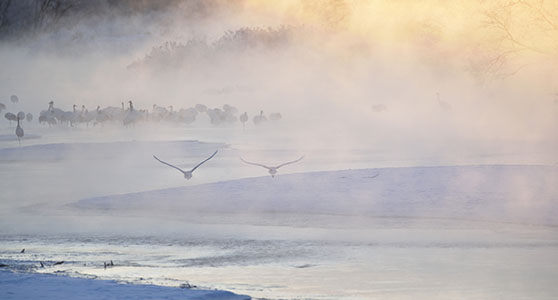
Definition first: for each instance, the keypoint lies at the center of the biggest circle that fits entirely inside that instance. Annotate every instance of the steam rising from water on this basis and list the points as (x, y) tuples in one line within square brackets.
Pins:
[(325, 65), (360, 85), (392, 78)]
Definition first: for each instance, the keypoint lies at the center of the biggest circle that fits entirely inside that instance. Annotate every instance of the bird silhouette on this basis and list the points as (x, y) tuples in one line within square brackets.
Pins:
[(272, 170), (187, 174), (19, 132), (244, 119)]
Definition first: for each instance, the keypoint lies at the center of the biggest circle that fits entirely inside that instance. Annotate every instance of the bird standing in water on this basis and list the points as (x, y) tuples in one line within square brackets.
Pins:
[(19, 132), (244, 119)]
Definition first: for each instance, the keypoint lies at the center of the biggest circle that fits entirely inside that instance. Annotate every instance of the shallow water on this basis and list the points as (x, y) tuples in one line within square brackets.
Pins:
[(388, 258)]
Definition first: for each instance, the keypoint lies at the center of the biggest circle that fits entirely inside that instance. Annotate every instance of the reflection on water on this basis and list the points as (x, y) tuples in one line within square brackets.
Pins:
[(432, 259)]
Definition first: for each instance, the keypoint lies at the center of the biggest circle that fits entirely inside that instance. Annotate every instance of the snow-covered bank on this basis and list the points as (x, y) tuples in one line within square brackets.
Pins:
[(522, 194), (21, 286), (407, 233)]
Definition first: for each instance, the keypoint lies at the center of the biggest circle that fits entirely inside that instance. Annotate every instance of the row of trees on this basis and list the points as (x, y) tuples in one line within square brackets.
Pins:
[(19, 17), (512, 28), (172, 54)]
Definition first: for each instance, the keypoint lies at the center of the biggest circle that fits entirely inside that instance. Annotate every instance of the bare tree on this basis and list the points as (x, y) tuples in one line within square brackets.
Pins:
[(526, 25), (516, 28), (49, 12), (4, 5)]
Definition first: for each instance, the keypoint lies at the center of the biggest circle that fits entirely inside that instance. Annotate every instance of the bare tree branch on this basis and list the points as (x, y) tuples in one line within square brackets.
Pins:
[(516, 32), (540, 11), (4, 5)]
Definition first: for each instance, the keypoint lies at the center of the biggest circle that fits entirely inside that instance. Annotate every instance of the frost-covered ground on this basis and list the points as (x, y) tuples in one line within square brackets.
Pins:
[(522, 194), (350, 223), (20, 286)]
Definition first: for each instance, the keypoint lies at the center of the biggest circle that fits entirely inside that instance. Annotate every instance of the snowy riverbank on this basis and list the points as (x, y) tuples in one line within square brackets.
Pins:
[(363, 224), (496, 193), (23, 286)]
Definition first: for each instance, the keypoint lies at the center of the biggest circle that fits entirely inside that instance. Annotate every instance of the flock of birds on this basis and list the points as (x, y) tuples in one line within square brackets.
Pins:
[(188, 173), (129, 115)]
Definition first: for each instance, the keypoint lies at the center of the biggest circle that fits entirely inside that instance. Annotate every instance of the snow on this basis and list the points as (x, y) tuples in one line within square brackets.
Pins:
[(20, 286), (362, 223), (401, 194), (522, 194)]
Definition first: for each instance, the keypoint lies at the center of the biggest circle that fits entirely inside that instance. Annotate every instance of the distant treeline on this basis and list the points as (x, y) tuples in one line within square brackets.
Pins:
[(173, 54), (20, 18)]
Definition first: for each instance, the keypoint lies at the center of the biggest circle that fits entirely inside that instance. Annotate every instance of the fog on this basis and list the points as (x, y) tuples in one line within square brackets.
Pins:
[(321, 70), (411, 84), (365, 84), (432, 119)]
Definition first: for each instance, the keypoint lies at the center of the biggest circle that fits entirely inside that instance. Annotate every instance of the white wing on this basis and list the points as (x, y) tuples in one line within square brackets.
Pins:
[(288, 163), (255, 164), (194, 168), (179, 169)]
